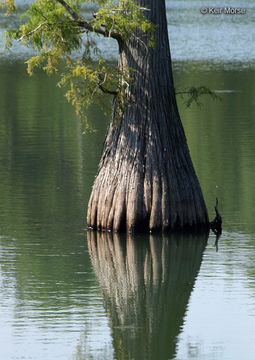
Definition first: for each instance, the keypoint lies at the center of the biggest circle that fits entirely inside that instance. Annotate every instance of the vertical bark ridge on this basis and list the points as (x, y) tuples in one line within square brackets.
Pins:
[(146, 180)]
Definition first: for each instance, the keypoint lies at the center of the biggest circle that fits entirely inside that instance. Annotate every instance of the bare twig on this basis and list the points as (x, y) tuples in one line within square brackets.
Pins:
[(84, 24), (80, 22), (125, 11), (46, 23), (182, 92), (69, 9), (142, 42), (106, 91), (36, 29), (113, 23), (99, 30)]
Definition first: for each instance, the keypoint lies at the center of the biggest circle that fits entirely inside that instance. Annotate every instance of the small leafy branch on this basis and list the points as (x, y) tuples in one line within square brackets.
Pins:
[(195, 93), (56, 30)]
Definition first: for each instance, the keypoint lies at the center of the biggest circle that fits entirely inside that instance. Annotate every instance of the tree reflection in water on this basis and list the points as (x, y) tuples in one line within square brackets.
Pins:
[(146, 283)]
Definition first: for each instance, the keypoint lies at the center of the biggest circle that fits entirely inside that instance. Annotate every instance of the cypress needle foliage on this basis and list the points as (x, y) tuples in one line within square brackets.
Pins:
[(9, 5), (57, 31), (194, 95)]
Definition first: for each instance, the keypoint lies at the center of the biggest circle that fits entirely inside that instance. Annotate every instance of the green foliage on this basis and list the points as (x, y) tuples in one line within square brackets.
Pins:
[(56, 30), (9, 5), (86, 81), (195, 93), (123, 17)]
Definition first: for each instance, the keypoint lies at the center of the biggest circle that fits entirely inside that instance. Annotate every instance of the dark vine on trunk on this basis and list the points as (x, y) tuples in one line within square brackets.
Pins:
[(146, 180)]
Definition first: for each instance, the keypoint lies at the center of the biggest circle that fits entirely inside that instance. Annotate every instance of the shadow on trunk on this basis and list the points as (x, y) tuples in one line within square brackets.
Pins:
[(146, 179), (146, 283)]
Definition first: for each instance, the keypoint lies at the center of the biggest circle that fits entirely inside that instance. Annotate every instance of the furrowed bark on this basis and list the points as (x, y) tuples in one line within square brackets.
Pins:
[(146, 180)]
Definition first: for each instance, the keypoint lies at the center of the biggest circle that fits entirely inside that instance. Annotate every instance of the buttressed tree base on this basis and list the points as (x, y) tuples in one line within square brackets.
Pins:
[(146, 180)]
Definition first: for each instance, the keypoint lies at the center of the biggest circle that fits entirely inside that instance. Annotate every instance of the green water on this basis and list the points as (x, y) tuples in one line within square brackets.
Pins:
[(65, 295), (68, 294)]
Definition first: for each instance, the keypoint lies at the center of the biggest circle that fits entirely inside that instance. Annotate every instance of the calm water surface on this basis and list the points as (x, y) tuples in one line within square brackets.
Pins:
[(68, 294)]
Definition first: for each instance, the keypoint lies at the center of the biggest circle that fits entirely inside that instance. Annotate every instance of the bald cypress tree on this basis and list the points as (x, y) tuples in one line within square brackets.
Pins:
[(145, 180)]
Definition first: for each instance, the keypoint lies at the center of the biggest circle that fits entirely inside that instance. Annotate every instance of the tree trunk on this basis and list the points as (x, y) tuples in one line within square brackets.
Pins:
[(146, 180), (146, 286)]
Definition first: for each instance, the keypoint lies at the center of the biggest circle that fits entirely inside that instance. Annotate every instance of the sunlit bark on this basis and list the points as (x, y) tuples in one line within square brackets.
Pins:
[(146, 180)]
